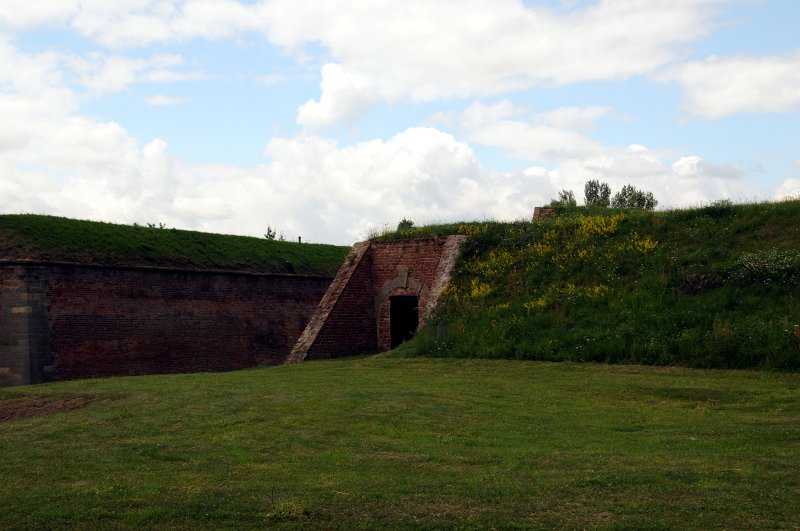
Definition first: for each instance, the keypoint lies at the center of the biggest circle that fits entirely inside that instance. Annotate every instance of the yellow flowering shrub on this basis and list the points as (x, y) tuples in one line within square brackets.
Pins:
[(535, 305), (479, 290), (497, 263), (597, 226), (638, 244), (574, 238), (451, 293), (594, 292), (545, 245)]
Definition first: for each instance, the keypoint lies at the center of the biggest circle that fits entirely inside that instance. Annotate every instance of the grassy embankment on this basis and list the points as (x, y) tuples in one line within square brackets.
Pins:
[(392, 443), (53, 238), (705, 287)]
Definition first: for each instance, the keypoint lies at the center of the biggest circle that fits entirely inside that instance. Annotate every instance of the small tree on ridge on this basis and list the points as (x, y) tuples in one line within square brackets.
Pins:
[(566, 198), (596, 193), (631, 197)]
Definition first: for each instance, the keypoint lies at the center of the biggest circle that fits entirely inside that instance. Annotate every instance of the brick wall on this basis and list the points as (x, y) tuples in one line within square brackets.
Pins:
[(348, 326), (75, 321), (402, 268)]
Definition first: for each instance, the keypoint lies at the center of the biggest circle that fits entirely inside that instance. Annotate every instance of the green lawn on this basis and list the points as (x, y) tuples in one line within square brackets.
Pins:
[(383, 442), (51, 238)]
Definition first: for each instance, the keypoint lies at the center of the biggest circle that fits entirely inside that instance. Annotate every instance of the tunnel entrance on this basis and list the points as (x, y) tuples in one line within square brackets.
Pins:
[(404, 317)]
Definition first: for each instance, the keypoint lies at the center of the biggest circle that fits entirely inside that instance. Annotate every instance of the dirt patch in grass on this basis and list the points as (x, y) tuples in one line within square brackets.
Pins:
[(31, 406)]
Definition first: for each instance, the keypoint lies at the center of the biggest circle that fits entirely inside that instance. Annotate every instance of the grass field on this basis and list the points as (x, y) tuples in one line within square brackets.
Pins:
[(382, 442)]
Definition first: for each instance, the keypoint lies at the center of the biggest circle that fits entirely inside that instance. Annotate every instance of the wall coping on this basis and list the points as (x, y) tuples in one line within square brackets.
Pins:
[(427, 239), (144, 268)]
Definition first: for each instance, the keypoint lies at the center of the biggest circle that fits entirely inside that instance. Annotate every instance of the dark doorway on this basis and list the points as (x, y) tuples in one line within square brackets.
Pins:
[(404, 317)]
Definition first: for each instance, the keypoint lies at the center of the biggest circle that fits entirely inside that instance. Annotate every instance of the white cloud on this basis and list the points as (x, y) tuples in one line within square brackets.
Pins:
[(161, 100), (427, 50), (532, 138), (345, 96), (788, 189), (214, 19), (492, 45), (269, 80), (130, 23), (167, 75), (54, 160), (103, 74), (200, 207), (526, 141), (721, 86), (694, 166), (573, 118), (156, 174), (23, 14), (418, 49), (421, 173), (559, 137), (478, 114)]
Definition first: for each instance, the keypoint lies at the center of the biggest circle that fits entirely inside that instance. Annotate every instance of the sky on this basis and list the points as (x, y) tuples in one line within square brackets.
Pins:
[(333, 120)]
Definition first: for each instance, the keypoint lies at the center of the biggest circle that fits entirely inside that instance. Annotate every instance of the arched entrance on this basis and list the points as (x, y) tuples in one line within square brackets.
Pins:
[(403, 318), (399, 308)]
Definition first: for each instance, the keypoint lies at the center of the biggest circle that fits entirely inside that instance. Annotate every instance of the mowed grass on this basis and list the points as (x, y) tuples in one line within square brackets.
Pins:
[(38, 237), (382, 442)]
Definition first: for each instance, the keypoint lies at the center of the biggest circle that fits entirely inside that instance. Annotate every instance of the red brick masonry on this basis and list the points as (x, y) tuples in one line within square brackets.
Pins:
[(65, 321), (353, 317)]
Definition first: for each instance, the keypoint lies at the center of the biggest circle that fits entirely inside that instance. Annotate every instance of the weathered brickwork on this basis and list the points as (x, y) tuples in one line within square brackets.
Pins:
[(403, 268), (351, 289), (354, 316), (64, 321), (540, 213)]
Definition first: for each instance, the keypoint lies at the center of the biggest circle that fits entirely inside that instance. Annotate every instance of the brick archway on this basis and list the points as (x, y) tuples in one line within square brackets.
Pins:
[(402, 285)]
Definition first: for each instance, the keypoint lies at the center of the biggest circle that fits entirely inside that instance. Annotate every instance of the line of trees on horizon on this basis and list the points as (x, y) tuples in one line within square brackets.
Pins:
[(598, 194)]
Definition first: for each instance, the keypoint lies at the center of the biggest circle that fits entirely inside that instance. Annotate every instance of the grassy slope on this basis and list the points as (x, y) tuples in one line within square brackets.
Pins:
[(708, 287), (387, 443), (62, 239)]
